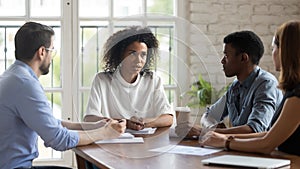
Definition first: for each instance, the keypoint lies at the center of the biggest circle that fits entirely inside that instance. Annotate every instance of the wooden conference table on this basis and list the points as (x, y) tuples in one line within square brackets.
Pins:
[(138, 156)]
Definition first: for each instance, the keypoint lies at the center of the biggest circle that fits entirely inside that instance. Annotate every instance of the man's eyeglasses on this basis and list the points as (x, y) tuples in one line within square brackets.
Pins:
[(53, 51)]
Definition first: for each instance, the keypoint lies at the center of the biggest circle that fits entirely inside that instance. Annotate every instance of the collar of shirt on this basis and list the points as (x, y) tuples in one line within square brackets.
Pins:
[(120, 78), (249, 80), (27, 67)]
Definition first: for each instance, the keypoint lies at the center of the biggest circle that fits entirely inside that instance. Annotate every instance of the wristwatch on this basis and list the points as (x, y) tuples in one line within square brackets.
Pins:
[(227, 143)]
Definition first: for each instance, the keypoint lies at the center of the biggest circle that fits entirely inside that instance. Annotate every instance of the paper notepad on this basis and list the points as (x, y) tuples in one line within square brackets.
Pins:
[(124, 138), (143, 131)]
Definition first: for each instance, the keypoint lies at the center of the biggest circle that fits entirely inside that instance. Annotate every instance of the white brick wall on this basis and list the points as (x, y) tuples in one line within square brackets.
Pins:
[(217, 18)]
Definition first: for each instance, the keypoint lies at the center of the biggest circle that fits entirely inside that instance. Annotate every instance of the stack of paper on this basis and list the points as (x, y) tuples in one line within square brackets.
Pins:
[(143, 131)]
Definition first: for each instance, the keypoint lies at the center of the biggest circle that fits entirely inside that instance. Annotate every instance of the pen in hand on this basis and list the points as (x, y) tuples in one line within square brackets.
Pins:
[(120, 120)]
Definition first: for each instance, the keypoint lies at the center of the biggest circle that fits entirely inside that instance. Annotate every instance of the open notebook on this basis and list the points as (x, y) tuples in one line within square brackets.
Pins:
[(246, 161)]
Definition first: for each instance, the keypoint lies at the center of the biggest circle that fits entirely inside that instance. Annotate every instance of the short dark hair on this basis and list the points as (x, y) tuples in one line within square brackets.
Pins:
[(29, 38), (117, 43), (248, 42)]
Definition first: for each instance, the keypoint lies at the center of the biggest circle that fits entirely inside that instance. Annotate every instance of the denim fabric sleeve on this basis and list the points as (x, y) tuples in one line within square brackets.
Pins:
[(265, 101), (217, 110)]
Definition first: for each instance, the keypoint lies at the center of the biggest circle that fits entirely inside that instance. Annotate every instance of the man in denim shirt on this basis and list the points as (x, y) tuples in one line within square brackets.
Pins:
[(252, 98)]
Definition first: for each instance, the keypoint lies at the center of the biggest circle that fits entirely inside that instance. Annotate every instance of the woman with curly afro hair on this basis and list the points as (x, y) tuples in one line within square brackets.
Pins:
[(127, 88)]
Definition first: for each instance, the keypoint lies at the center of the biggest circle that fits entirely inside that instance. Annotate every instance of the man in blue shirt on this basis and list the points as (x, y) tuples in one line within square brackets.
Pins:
[(24, 109), (252, 98)]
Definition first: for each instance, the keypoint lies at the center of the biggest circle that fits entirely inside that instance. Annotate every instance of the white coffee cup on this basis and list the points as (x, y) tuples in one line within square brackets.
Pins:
[(182, 114)]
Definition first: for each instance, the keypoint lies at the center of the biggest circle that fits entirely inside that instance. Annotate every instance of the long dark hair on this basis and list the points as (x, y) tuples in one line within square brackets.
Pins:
[(289, 53)]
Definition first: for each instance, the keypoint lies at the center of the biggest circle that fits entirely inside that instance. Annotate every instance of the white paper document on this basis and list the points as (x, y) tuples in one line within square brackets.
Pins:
[(126, 135), (187, 150), (143, 131), (121, 140), (124, 138)]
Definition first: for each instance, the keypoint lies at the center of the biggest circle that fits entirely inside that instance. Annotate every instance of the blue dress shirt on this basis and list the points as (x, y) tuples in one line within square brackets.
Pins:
[(25, 114)]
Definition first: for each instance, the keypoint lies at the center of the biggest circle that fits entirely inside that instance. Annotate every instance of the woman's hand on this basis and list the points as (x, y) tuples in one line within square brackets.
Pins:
[(213, 139), (135, 123)]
